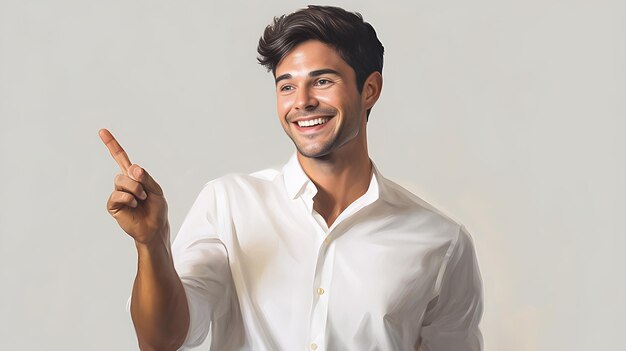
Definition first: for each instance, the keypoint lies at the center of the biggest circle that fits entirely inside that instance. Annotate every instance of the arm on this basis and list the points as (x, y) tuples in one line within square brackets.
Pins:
[(452, 318), (159, 306)]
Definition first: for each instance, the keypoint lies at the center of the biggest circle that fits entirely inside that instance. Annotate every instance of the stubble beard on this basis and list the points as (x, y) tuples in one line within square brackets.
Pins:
[(318, 151)]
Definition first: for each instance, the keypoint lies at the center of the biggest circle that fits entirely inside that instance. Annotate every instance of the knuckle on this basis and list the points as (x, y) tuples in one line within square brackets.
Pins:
[(115, 198), (119, 179), (126, 197), (110, 202), (118, 197)]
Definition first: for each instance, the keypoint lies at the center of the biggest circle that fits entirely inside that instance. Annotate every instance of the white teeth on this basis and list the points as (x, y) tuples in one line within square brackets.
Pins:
[(313, 122)]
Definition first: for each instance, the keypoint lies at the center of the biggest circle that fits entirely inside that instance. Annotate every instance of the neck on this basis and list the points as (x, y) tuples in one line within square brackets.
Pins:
[(340, 178)]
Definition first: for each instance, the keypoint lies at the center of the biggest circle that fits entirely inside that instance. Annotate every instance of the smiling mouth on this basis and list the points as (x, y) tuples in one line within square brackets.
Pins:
[(313, 122)]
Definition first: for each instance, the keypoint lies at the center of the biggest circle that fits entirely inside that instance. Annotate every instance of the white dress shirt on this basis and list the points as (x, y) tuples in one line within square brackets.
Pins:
[(262, 271)]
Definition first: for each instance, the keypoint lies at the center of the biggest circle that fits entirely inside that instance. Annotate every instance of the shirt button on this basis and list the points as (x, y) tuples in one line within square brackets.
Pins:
[(313, 346), (320, 291)]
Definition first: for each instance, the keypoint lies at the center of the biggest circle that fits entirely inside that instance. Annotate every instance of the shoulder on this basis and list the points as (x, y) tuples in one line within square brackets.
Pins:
[(420, 213), (397, 195)]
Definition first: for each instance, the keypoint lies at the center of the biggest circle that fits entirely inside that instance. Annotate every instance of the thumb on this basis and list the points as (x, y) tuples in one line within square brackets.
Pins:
[(141, 175)]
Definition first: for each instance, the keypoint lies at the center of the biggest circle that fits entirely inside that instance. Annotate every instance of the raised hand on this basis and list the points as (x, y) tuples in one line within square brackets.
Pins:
[(137, 202)]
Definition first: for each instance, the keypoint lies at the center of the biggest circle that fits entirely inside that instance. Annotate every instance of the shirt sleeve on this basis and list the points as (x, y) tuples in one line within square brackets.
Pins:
[(201, 261), (451, 321)]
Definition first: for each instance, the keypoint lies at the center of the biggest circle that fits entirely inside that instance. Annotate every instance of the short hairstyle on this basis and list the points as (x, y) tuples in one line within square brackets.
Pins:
[(354, 39)]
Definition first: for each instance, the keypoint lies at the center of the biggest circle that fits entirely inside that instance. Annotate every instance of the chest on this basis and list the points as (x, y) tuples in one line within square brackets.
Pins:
[(374, 263)]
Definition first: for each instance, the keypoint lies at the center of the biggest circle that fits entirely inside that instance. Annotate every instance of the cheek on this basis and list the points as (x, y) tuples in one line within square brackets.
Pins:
[(328, 97), (337, 98), (283, 105)]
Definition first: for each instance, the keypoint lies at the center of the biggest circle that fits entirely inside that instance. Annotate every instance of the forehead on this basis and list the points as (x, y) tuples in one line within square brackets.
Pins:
[(309, 56)]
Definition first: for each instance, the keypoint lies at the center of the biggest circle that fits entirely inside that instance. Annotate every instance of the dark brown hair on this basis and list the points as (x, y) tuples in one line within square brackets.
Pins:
[(354, 39)]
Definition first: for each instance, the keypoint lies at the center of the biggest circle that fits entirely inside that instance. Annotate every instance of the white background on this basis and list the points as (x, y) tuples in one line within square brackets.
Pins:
[(507, 115)]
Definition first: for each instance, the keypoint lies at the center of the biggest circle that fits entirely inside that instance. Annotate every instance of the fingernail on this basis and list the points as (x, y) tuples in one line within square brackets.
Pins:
[(143, 195), (134, 203), (137, 172)]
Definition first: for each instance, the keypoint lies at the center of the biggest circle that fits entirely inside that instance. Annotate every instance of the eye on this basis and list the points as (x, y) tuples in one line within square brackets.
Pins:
[(323, 81), (286, 87)]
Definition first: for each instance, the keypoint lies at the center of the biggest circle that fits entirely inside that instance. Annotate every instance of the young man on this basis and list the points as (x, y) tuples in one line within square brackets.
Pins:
[(324, 254)]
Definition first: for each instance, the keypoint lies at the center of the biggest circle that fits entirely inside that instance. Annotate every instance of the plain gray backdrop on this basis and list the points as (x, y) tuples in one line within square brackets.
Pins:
[(507, 115)]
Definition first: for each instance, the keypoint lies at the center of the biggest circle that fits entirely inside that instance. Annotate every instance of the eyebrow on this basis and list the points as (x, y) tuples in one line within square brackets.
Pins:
[(315, 73)]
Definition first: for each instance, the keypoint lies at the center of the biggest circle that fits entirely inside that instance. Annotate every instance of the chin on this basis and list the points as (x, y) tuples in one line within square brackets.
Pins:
[(311, 154), (314, 152)]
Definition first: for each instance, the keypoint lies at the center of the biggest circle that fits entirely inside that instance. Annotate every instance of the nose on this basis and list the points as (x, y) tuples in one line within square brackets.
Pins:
[(305, 100)]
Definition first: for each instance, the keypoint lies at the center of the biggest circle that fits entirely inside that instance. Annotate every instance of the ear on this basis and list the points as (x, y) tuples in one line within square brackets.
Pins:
[(371, 90)]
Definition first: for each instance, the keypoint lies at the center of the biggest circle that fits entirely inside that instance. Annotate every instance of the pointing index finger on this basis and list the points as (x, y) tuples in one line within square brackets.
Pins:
[(116, 150)]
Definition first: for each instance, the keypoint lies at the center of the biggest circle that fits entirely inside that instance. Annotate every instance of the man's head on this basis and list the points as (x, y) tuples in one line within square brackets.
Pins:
[(327, 65), (354, 39)]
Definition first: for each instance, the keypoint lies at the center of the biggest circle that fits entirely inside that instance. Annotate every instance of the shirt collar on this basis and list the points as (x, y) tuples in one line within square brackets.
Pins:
[(296, 180)]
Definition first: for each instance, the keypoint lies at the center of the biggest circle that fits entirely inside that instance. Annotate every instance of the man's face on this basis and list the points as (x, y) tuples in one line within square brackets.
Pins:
[(319, 106)]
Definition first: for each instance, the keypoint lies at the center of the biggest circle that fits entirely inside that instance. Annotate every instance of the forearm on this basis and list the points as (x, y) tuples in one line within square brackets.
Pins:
[(159, 306)]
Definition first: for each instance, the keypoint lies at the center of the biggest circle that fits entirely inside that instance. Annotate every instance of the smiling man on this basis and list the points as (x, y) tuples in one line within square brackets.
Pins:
[(323, 254)]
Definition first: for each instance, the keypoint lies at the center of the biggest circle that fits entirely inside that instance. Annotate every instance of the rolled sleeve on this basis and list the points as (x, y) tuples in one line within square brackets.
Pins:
[(452, 321)]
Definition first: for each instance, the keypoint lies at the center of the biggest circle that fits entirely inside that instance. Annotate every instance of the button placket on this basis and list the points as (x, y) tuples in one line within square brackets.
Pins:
[(321, 285)]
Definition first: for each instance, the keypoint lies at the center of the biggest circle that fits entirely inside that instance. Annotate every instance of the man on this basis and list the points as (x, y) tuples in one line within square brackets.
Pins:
[(324, 254)]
